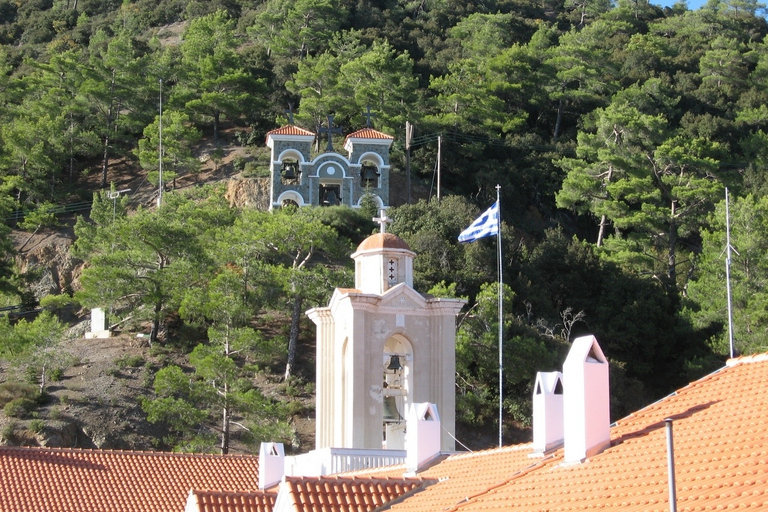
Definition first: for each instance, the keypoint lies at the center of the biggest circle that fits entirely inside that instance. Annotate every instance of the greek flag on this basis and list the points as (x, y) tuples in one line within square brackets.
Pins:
[(485, 225)]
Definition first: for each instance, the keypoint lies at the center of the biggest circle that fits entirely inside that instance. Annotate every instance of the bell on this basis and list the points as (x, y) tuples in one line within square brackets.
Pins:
[(370, 173), (394, 363), (390, 413), (290, 172)]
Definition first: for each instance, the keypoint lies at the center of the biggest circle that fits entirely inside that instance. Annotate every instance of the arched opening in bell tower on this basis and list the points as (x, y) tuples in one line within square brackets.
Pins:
[(397, 367)]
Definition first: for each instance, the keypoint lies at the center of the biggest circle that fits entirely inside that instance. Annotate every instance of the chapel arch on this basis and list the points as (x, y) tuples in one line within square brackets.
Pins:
[(370, 170), (376, 199), (397, 367), (290, 167), (290, 198)]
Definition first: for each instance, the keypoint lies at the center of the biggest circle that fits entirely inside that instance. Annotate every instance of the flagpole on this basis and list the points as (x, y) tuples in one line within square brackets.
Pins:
[(501, 312)]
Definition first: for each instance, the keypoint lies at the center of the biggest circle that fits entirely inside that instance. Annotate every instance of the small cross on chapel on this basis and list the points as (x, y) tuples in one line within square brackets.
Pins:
[(381, 347)]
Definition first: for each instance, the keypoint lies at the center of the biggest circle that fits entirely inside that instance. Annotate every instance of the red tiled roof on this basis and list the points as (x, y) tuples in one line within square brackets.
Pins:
[(720, 426), (51, 480), (346, 494), (383, 241), (290, 130), (216, 501), (721, 458), (369, 133), (462, 476)]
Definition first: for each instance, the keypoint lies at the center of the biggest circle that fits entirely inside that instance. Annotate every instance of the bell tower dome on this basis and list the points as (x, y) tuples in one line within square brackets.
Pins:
[(382, 261)]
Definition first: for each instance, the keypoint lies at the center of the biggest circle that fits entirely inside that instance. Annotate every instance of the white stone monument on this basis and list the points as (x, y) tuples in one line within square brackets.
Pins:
[(98, 324)]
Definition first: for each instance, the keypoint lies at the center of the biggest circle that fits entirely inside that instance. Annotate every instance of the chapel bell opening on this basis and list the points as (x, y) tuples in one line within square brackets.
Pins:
[(396, 390)]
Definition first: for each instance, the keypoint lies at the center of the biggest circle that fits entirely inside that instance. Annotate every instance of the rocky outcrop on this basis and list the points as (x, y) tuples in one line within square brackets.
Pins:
[(44, 257), (251, 192)]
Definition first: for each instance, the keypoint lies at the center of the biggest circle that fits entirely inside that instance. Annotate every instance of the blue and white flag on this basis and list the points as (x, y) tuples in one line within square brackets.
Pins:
[(485, 225)]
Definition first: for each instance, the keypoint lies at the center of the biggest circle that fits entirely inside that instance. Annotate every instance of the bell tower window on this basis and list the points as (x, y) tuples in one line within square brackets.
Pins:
[(290, 173), (369, 175), (392, 271)]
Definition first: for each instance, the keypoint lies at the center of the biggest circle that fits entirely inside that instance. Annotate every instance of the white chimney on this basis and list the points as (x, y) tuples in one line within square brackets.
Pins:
[(422, 438), (547, 411), (587, 401), (271, 464)]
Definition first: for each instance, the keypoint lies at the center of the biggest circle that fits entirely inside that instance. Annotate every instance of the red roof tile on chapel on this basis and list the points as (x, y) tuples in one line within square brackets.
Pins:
[(383, 241), (65, 480), (290, 130), (369, 133)]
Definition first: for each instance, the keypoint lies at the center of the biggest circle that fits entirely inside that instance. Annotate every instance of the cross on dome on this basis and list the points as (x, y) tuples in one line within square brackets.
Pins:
[(383, 220)]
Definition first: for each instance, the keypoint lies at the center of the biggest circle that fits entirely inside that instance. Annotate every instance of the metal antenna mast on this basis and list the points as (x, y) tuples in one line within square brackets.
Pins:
[(728, 249)]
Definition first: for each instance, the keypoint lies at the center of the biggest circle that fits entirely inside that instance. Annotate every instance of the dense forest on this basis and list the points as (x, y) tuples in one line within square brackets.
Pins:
[(613, 129)]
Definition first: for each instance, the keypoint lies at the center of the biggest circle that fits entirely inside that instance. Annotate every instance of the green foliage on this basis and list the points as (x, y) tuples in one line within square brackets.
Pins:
[(8, 430), (19, 407), (37, 426), (707, 292), (178, 138), (431, 230), (13, 389), (141, 263), (129, 361)]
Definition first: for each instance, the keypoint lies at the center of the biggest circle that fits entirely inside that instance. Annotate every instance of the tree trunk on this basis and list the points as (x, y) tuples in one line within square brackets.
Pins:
[(603, 219), (225, 422), (558, 120), (42, 379), (293, 340), (216, 118), (672, 254)]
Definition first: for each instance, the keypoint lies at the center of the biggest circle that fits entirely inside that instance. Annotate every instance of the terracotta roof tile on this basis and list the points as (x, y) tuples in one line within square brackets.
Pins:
[(369, 133), (347, 494), (462, 476), (217, 501), (721, 458), (383, 241), (52, 480), (290, 130)]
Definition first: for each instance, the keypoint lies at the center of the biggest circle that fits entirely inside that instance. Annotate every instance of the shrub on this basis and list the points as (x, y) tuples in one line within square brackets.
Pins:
[(129, 361), (14, 389), (37, 426), (8, 430), (239, 161), (19, 408), (254, 170)]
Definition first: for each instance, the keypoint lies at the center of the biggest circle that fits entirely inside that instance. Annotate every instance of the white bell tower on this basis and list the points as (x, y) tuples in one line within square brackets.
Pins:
[(382, 347)]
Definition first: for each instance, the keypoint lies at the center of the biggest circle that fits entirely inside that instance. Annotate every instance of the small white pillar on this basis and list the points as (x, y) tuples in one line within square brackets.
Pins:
[(548, 420), (271, 464), (422, 438), (587, 411), (98, 324)]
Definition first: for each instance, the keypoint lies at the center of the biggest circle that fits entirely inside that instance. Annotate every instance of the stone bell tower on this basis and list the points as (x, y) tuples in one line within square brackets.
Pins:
[(382, 346)]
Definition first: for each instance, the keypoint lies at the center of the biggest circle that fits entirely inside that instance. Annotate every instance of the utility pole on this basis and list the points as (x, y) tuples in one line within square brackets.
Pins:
[(160, 150), (439, 149), (408, 139)]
